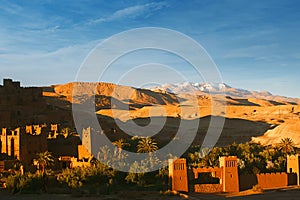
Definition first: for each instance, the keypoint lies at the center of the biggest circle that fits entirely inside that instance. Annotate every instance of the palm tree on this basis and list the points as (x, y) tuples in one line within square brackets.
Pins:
[(286, 145), (146, 145), (43, 160), (120, 144)]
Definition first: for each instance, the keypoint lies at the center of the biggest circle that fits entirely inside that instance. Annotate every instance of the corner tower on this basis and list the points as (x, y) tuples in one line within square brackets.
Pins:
[(293, 166), (230, 177)]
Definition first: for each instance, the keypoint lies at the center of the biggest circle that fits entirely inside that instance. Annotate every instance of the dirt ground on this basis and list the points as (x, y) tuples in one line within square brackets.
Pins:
[(290, 194)]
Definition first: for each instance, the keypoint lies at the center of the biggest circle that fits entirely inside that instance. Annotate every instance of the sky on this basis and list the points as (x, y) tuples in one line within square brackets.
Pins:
[(255, 44)]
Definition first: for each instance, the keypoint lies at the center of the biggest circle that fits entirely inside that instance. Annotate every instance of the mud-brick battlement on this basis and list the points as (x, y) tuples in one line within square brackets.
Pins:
[(12, 93), (226, 178), (226, 174), (18, 104), (23, 143), (10, 83)]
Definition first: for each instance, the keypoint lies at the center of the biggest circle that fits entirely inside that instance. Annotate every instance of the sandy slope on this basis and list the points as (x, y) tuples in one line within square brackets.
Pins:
[(126, 103), (290, 128)]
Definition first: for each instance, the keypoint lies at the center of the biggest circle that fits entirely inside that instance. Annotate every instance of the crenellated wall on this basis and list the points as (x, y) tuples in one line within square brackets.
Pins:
[(272, 180), (225, 178), (227, 173), (18, 104)]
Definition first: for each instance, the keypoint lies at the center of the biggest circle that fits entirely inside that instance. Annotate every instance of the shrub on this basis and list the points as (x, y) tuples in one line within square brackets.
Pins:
[(12, 183), (133, 176), (72, 177), (26, 183), (94, 179)]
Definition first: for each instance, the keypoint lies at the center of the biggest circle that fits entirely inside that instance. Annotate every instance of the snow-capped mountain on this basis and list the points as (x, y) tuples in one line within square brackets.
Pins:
[(220, 88), (188, 87)]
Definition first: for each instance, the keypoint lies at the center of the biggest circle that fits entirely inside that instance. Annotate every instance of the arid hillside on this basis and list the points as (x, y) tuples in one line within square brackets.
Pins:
[(247, 118), (103, 92)]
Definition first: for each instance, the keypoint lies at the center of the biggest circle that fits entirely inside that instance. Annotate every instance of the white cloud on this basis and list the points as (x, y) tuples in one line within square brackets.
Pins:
[(133, 12), (46, 67), (11, 8)]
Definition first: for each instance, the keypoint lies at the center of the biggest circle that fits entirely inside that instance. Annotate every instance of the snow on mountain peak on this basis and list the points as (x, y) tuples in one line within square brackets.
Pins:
[(220, 88), (187, 87)]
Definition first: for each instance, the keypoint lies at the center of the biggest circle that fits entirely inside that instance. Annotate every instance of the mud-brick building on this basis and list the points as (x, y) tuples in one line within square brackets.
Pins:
[(226, 178), (19, 105), (293, 166), (23, 143)]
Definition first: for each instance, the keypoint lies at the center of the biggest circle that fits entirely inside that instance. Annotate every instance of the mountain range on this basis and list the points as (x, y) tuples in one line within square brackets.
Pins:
[(221, 88), (249, 116)]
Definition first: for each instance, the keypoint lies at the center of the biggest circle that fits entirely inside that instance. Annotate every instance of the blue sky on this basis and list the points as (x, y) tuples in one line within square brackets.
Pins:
[(255, 44)]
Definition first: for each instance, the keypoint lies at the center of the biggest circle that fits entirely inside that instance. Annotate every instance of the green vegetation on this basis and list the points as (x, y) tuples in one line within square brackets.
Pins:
[(101, 179), (146, 145), (27, 183), (252, 157), (94, 179), (121, 143), (44, 160), (286, 145)]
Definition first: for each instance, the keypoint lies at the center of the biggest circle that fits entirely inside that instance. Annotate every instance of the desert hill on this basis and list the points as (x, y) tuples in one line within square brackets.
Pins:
[(107, 91), (261, 120), (127, 103), (289, 128)]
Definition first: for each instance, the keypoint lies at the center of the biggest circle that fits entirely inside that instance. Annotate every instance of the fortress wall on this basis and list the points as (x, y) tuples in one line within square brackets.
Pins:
[(272, 180), (247, 181)]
